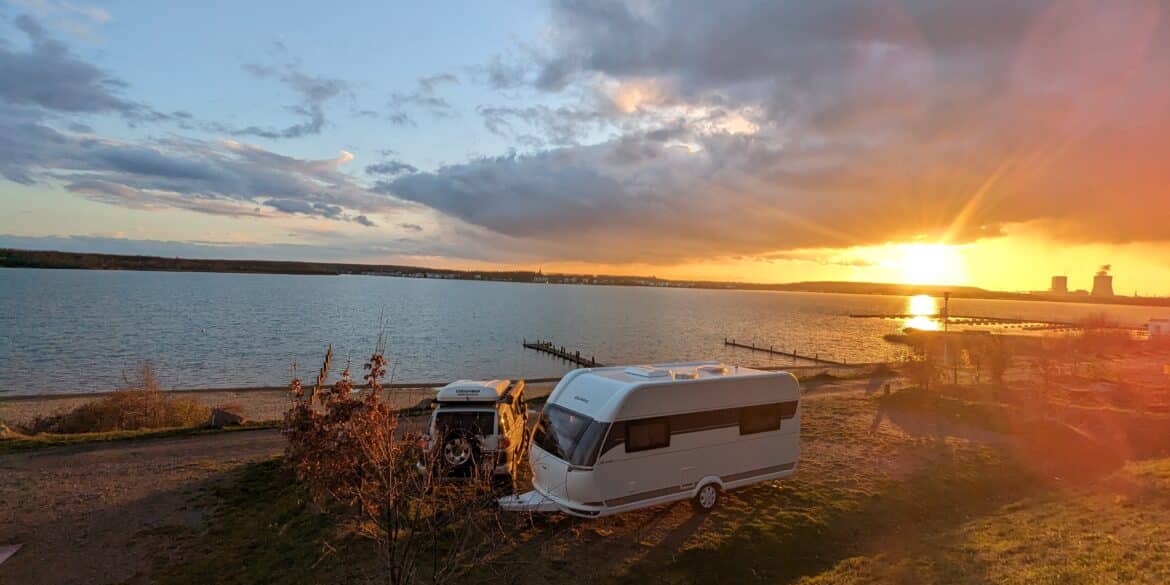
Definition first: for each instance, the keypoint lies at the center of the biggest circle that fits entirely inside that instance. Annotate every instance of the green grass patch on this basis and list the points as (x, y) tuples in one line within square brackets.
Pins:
[(805, 526), (264, 529), (1114, 532)]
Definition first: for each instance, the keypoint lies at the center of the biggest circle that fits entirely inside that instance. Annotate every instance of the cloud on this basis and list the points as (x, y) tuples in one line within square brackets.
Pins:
[(559, 126), (43, 88), (425, 97), (47, 75), (314, 92), (504, 72), (216, 177), (414, 227), (822, 257), (390, 167), (80, 20), (793, 125)]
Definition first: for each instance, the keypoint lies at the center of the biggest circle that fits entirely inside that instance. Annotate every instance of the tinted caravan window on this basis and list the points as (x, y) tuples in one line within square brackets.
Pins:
[(651, 433), (568, 435), (760, 419)]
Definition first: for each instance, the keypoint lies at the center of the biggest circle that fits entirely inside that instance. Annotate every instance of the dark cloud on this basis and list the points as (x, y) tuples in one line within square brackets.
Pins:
[(214, 177), (48, 75), (390, 167), (414, 227), (771, 126), (314, 92), (425, 98)]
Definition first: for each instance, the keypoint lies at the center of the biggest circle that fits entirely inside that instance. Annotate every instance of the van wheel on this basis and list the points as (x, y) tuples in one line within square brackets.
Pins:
[(707, 498), (458, 450)]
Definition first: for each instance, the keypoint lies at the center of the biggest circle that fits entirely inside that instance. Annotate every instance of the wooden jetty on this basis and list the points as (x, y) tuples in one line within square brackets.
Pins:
[(563, 353), (792, 354)]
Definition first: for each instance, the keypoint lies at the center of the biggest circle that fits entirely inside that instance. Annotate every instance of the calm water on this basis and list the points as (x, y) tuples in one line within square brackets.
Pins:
[(77, 331)]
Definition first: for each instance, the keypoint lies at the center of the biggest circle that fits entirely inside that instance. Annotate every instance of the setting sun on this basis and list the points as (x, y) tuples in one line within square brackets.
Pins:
[(923, 306), (931, 264)]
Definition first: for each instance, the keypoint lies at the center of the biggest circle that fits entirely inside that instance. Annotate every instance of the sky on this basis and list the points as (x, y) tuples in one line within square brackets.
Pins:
[(990, 143)]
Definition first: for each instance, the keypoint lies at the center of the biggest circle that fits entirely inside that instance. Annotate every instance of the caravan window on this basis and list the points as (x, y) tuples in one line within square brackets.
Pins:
[(760, 419), (651, 433), (569, 435)]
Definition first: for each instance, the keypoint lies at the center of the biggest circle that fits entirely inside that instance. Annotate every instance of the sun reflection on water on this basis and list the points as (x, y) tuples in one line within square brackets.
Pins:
[(923, 311)]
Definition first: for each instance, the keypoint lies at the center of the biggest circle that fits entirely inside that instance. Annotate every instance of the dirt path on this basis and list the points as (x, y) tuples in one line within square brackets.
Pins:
[(94, 514)]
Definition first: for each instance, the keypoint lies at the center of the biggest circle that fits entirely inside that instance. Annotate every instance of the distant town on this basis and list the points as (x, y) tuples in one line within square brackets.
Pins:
[(1102, 291)]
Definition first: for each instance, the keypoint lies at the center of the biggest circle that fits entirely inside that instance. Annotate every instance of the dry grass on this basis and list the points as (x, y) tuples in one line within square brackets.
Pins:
[(140, 405), (235, 408)]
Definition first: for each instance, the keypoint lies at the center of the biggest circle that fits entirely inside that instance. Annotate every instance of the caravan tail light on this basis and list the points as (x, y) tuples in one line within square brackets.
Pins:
[(505, 443)]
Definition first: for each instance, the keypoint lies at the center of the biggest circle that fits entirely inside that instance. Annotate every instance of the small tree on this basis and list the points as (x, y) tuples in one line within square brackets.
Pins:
[(922, 366), (998, 357), (350, 448)]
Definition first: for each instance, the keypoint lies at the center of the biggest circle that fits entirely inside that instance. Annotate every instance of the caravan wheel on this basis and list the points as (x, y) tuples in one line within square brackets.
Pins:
[(707, 498)]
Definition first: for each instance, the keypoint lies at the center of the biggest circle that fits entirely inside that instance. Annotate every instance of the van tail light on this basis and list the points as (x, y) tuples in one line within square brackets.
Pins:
[(422, 442), (505, 443)]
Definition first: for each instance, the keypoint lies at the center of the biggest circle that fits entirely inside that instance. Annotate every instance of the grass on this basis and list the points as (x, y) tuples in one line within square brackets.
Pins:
[(876, 499), (14, 442), (1117, 531), (265, 530)]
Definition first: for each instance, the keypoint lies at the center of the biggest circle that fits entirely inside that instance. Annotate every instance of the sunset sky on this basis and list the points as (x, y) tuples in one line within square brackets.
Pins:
[(992, 143)]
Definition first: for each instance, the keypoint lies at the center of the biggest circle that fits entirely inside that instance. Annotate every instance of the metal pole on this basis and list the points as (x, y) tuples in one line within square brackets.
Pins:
[(946, 319)]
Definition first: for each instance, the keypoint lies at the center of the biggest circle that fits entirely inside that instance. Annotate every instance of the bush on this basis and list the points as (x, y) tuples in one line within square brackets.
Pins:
[(349, 450), (140, 405)]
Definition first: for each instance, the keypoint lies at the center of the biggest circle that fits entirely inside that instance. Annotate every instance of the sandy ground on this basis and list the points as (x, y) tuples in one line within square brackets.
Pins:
[(86, 514), (257, 404)]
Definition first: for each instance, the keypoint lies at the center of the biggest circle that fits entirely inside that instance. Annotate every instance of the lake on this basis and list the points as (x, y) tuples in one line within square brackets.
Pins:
[(65, 331)]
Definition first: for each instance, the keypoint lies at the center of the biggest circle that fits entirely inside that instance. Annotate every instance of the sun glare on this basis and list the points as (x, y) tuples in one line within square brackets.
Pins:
[(922, 306), (931, 264), (922, 309)]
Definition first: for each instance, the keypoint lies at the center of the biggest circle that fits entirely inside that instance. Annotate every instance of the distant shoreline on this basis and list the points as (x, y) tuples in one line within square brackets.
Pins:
[(15, 258)]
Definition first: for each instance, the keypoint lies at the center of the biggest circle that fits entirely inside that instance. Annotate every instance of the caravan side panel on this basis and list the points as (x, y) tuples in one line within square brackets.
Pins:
[(733, 431)]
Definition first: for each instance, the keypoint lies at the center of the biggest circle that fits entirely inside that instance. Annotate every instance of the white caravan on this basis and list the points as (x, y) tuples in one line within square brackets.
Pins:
[(620, 438)]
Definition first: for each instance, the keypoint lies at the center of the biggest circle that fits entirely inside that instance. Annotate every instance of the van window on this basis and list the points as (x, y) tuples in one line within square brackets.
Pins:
[(477, 422), (760, 419), (570, 436), (650, 433)]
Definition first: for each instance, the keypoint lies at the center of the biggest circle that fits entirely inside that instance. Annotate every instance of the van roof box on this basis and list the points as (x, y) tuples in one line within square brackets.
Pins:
[(473, 391)]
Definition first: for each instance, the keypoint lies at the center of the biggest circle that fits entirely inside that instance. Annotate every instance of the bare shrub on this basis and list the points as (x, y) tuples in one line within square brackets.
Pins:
[(140, 404), (349, 449)]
